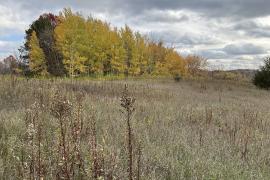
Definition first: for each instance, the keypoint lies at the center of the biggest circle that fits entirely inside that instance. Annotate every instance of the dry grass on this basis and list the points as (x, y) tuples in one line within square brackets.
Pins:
[(63, 129)]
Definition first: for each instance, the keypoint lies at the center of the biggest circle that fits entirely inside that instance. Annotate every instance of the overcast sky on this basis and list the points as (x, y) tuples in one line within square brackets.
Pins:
[(232, 34)]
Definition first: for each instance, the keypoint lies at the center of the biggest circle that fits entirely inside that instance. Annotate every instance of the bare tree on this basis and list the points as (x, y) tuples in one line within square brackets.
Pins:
[(195, 64)]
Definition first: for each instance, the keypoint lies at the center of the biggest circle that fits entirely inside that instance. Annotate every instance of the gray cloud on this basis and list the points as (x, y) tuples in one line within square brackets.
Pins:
[(253, 28), (246, 25), (184, 39), (229, 8), (160, 16), (213, 54), (242, 49)]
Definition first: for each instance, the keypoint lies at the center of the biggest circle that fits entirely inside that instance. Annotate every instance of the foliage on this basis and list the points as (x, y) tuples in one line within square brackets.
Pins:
[(128, 44), (175, 63), (262, 76), (71, 39), (37, 62), (44, 27), (177, 77), (194, 64), (157, 58), (79, 46)]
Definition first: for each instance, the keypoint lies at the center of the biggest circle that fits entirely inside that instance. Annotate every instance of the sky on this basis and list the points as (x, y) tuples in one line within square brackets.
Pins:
[(231, 34)]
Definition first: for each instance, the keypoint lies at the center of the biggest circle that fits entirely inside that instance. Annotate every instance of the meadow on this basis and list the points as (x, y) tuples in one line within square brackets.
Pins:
[(78, 129)]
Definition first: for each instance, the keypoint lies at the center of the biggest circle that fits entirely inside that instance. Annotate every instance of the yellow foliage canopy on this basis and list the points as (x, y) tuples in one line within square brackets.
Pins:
[(37, 61), (91, 46)]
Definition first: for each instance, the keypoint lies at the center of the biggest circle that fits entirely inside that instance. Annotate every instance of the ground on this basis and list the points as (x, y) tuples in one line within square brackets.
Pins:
[(192, 129)]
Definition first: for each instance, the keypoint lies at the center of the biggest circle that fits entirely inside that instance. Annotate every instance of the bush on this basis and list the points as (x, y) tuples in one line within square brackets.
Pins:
[(262, 76), (177, 77)]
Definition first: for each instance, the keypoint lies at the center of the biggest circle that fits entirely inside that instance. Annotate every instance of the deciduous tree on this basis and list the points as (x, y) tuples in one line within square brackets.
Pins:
[(70, 36), (37, 61)]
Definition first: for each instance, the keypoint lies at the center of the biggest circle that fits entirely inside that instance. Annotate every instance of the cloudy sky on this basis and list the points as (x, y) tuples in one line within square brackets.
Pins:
[(232, 34)]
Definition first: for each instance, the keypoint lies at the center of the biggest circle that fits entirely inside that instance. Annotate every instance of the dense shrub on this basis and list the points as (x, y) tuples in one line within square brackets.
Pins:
[(262, 76), (177, 77)]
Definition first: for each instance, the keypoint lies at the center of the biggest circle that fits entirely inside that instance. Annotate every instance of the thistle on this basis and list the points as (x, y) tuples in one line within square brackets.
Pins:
[(127, 103)]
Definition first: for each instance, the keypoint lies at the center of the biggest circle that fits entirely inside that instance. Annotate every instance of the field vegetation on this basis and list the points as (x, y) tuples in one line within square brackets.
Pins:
[(133, 129)]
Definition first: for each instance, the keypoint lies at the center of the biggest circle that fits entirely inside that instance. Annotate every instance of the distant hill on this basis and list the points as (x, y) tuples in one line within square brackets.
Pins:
[(238, 74), (249, 73)]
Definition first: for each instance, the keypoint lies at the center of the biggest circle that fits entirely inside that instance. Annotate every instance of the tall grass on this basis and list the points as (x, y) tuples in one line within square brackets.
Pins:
[(63, 129)]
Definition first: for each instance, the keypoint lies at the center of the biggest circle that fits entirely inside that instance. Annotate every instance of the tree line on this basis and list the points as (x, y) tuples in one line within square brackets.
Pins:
[(71, 45)]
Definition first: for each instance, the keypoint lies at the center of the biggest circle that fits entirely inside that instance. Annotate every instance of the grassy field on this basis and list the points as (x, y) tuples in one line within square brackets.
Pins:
[(77, 129)]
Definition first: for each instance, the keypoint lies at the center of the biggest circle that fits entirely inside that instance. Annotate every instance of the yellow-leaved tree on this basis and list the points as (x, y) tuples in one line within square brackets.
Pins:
[(37, 63), (140, 54), (93, 51), (157, 58), (175, 63), (100, 43), (116, 53), (71, 41), (129, 45)]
